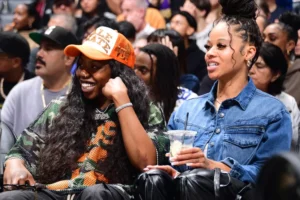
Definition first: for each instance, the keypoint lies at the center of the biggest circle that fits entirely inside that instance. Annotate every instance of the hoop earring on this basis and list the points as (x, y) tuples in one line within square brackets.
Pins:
[(249, 62)]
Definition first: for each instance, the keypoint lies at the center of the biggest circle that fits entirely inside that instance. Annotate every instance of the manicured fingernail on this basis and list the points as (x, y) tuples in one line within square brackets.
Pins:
[(172, 159), (188, 164), (174, 163)]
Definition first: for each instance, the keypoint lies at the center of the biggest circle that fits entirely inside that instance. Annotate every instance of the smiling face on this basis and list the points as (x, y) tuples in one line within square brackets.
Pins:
[(226, 54), (92, 75)]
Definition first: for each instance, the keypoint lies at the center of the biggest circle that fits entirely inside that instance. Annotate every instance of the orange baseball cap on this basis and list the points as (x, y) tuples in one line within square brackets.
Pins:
[(104, 44)]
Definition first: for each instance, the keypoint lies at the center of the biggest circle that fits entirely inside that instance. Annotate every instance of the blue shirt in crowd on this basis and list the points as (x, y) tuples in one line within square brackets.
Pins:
[(243, 133)]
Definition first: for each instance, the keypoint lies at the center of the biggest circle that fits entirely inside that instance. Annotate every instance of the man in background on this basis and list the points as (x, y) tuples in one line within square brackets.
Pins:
[(14, 56)]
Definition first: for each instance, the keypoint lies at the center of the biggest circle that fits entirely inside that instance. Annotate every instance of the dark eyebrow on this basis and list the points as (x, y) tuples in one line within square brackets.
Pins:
[(272, 33), (219, 40)]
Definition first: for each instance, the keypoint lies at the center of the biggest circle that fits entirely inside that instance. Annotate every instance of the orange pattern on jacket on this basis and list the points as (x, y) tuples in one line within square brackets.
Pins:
[(87, 173)]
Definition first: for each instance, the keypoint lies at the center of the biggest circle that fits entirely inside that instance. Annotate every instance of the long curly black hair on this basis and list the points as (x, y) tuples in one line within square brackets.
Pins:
[(67, 137)]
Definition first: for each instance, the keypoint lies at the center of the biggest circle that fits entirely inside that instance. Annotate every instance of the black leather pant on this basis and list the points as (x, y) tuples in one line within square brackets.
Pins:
[(197, 184)]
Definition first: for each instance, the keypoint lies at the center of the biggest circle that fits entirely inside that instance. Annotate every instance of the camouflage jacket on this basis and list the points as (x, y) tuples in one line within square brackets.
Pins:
[(88, 171)]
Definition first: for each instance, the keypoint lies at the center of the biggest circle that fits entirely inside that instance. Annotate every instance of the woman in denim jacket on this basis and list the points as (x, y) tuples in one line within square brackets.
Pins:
[(238, 126)]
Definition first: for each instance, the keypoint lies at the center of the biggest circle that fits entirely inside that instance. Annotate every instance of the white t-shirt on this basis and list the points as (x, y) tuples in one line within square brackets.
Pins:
[(292, 107)]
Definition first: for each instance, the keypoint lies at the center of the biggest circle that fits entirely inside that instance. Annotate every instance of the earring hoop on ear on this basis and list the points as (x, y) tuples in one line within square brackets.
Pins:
[(249, 62)]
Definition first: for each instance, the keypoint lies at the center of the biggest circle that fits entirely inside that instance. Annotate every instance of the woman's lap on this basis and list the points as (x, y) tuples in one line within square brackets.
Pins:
[(29, 195)]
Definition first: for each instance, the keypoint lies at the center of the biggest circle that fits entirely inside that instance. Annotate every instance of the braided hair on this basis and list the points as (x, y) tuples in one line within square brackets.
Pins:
[(243, 14)]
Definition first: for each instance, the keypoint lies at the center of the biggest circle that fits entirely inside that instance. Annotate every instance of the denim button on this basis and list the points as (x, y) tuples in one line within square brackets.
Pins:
[(212, 144), (221, 115), (218, 130)]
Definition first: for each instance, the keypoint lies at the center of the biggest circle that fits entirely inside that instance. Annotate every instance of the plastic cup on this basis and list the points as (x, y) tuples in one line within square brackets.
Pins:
[(180, 139)]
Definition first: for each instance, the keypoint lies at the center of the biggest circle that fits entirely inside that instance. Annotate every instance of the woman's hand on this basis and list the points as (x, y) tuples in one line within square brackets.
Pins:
[(171, 171), (168, 43), (189, 7), (9, 27), (16, 173), (195, 158), (116, 90)]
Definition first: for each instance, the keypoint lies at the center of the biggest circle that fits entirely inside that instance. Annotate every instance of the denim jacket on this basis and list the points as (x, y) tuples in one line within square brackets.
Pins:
[(243, 133)]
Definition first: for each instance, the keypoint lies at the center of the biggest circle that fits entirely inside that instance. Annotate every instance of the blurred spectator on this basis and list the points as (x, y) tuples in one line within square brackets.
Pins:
[(153, 17), (128, 30), (90, 9), (163, 6), (66, 21), (64, 7), (275, 10), (152, 64), (292, 80), (14, 56), (44, 9), (177, 41), (134, 11), (263, 15), (92, 24), (199, 9), (63, 20), (284, 34), (25, 20), (186, 25), (114, 6), (215, 12), (53, 80), (268, 74)]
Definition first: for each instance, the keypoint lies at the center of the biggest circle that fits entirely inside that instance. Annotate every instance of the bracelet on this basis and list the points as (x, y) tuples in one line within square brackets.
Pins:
[(123, 106)]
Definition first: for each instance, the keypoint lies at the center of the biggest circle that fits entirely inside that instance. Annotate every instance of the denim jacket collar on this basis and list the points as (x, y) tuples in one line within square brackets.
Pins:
[(242, 99)]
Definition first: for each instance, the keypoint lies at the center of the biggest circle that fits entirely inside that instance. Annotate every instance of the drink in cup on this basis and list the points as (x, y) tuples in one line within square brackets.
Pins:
[(180, 139)]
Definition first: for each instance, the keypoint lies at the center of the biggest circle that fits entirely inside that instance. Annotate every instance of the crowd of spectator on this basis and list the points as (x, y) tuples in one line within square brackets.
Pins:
[(90, 88)]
